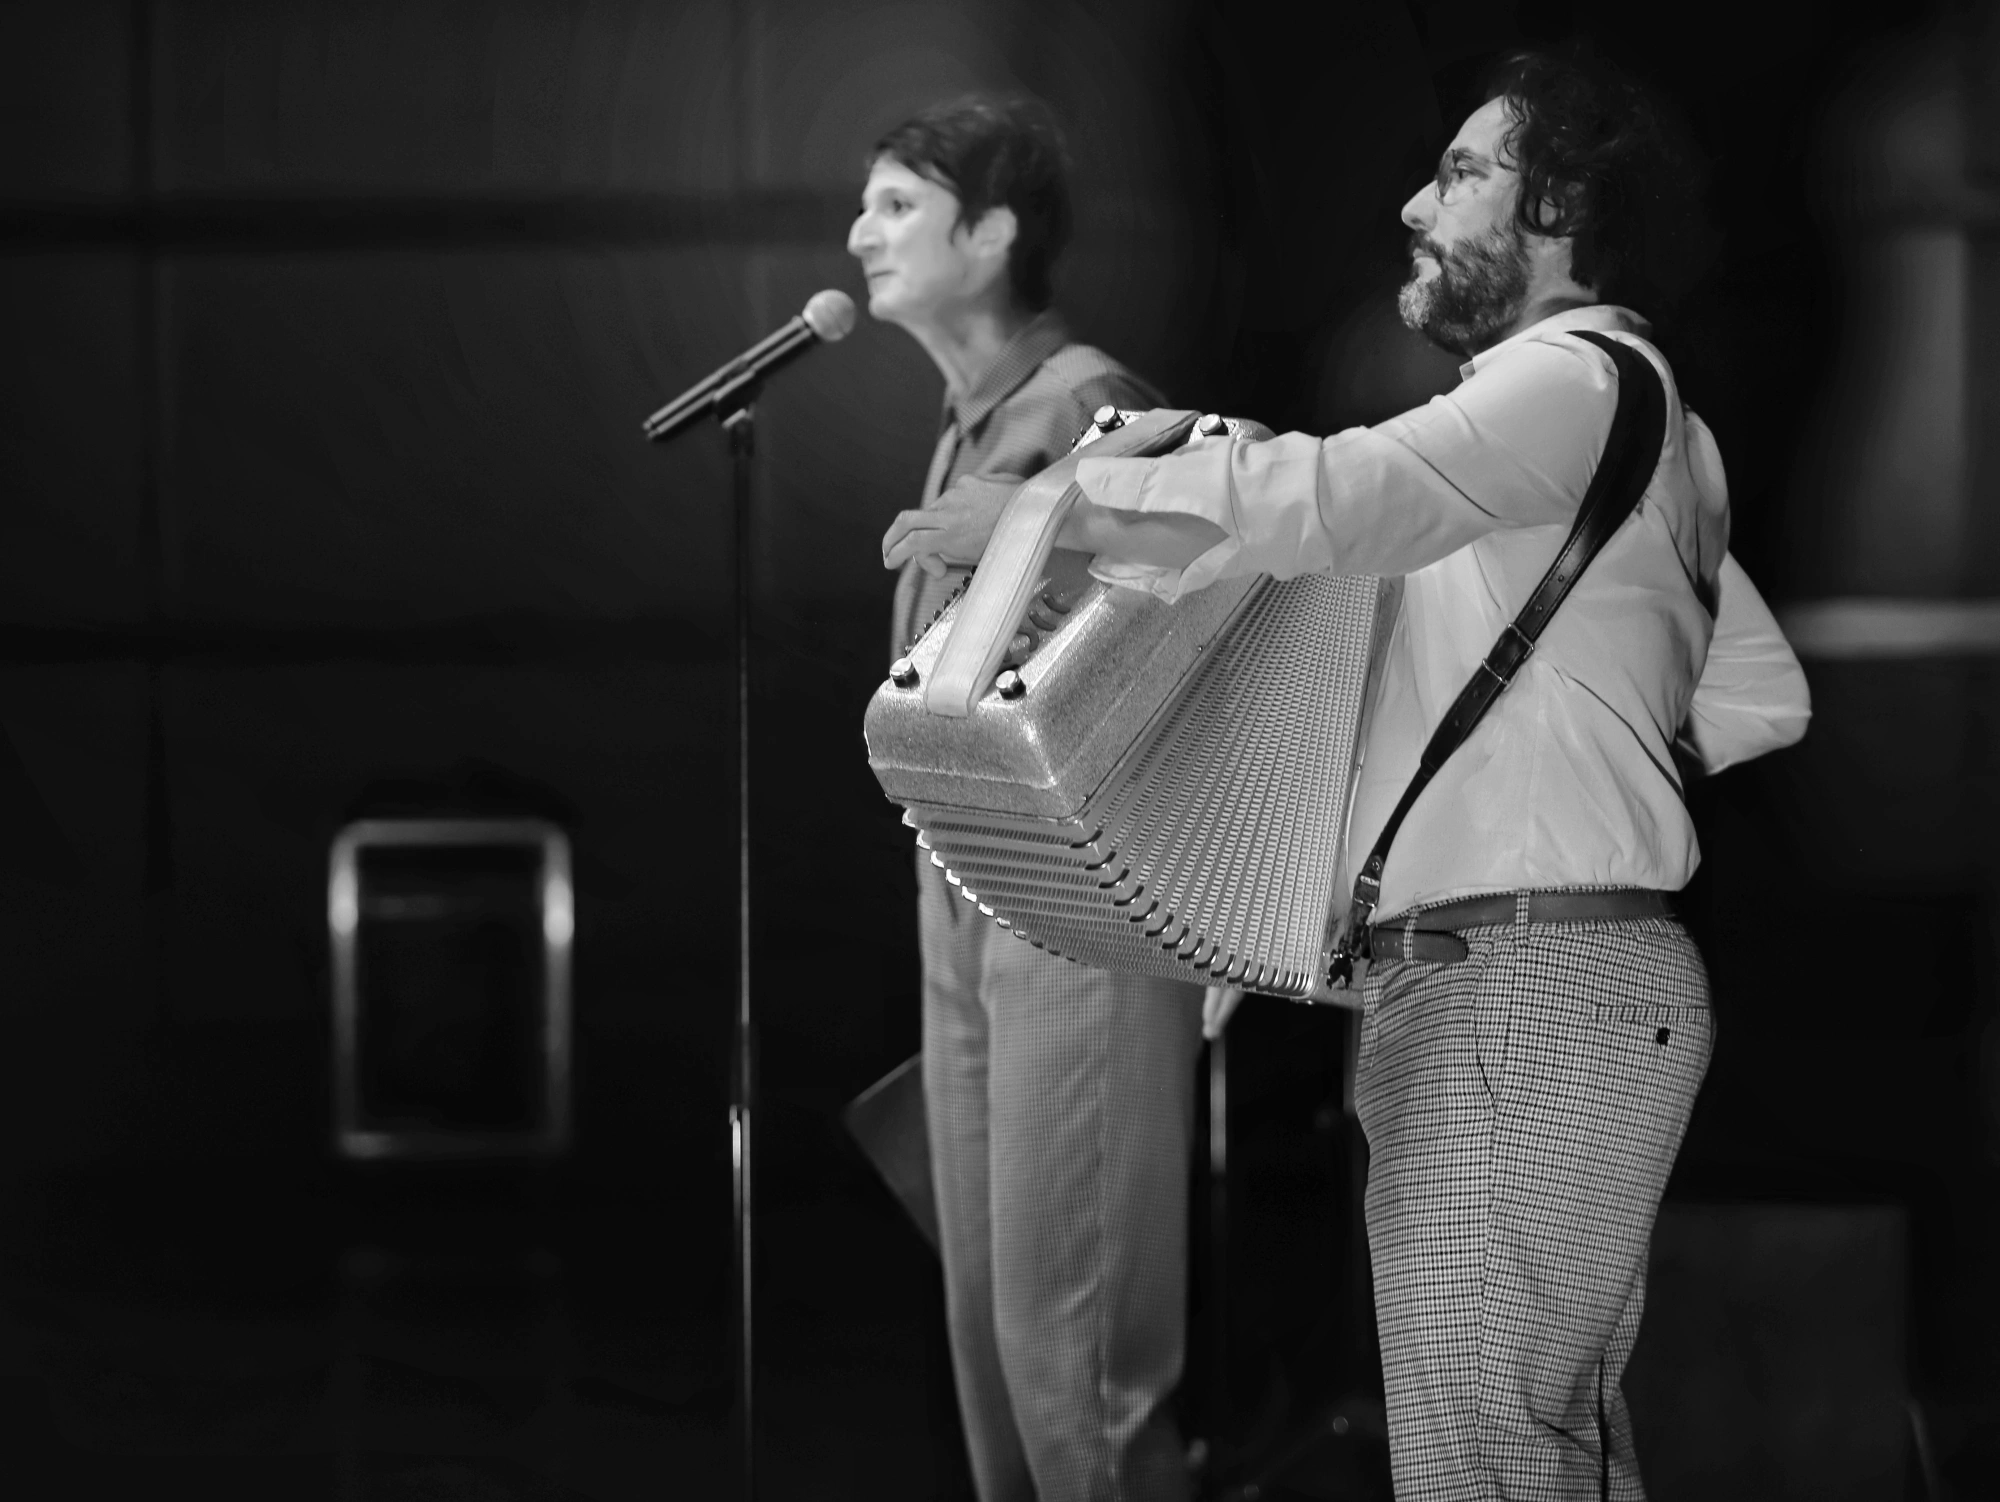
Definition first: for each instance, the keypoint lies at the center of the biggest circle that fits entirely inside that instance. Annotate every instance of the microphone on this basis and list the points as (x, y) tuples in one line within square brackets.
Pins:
[(827, 317)]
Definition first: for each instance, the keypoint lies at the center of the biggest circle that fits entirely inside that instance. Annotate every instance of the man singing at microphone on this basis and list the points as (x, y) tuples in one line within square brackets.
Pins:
[(1060, 1099), (1536, 1021)]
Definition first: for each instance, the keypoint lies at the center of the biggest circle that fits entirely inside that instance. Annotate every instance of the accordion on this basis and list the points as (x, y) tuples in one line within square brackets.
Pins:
[(1137, 786)]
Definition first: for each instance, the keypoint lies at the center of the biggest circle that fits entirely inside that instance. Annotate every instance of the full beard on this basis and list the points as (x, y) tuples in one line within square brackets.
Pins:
[(1479, 291)]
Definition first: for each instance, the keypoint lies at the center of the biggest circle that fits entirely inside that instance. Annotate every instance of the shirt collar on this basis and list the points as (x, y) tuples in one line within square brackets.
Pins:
[(1603, 316), (1022, 356)]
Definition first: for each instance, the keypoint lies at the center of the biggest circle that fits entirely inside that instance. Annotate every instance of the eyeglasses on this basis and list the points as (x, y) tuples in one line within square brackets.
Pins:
[(1454, 167)]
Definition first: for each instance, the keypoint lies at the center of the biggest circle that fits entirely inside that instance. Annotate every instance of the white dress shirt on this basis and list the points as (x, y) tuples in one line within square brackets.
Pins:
[(1570, 779)]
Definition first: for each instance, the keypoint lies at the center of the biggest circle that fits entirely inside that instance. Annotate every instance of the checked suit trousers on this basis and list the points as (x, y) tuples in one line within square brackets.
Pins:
[(1523, 1109)]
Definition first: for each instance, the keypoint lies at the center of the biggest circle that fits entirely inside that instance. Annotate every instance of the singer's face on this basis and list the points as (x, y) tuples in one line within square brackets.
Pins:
[(913, 251)]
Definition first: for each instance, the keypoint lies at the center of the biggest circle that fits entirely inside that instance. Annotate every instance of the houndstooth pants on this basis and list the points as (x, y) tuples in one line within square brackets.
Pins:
[(1523, 1108), (1061, 1110)]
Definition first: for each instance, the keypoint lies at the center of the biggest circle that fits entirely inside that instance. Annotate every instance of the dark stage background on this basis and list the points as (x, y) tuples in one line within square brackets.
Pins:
[(328, 328)]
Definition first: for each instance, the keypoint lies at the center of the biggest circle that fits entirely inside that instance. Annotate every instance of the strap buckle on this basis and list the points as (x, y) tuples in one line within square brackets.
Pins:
[(1513, 648), (1353, 943)]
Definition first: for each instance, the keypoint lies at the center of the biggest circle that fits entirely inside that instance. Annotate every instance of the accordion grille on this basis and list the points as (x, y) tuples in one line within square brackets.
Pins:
[(1212, 848)]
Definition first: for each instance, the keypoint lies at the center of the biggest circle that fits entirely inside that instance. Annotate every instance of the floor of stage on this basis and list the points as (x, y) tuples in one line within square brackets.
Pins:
[(261, 1326), (196, 1314), (215, 1336), (239, 1333)]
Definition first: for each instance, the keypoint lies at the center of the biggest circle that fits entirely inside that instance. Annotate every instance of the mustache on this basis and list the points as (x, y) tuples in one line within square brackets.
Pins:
[(1423, 244)]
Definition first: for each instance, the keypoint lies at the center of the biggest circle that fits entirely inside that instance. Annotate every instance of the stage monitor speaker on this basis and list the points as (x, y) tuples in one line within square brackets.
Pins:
[(451, 973), (1771, 1361)]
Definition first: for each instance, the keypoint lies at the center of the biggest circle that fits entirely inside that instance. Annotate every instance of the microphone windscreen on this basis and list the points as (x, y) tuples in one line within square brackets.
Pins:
[(830, 314)]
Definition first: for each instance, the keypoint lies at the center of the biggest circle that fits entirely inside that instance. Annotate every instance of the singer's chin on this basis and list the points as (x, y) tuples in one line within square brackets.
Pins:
[(884, 310)]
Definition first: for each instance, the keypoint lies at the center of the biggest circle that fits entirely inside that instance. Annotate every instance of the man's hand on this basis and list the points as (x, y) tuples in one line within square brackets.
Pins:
[(954, 530), (1216, 1007)]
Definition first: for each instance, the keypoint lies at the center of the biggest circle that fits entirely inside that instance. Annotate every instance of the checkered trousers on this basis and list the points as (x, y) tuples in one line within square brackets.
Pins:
[(1061, 1110), (1523, 1108)]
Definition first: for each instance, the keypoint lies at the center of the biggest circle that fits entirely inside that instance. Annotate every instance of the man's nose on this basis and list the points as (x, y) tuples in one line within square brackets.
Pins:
[(860, 235), (1420, 212)]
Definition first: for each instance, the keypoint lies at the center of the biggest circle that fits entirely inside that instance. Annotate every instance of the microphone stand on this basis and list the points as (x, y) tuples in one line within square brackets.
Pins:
[(734, 405), (730, 394), (741, 426)]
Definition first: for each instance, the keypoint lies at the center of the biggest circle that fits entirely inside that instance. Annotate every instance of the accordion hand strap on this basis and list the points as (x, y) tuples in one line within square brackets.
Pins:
[(1631, 454), (998, 596)]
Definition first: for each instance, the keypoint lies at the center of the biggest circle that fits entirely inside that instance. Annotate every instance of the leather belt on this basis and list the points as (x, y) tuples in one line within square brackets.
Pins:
[(1430, 935)]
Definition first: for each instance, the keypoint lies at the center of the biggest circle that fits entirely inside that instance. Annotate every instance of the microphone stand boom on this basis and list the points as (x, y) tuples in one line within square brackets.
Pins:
[(730, 388)]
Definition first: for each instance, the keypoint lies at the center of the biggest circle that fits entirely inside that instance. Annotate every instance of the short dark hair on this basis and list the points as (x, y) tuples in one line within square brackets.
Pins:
[(1592, 156), (997, 151)]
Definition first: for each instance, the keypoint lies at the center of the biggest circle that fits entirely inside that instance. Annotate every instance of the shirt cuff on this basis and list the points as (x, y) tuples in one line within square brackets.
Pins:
[(1194, 482)]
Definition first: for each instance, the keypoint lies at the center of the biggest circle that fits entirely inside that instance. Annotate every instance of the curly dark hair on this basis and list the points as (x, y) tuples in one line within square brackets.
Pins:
[(1592, 157), (995, 151)]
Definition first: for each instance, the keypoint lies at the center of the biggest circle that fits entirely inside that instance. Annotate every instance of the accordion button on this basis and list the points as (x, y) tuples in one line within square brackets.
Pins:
[(1021, 645), (1054, 603), (1010, 684), (1107, 417), (903, 673), (1210, 425)]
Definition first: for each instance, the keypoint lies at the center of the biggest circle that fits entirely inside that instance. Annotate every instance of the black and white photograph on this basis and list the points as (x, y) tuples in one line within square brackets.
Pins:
[(999, 751)]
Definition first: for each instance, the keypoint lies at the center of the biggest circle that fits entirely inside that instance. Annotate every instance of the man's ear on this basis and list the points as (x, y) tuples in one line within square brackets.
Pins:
[(993, 236), (1562, 199)]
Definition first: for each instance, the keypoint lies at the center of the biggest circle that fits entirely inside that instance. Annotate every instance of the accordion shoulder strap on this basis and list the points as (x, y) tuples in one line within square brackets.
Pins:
[(1631, 454)]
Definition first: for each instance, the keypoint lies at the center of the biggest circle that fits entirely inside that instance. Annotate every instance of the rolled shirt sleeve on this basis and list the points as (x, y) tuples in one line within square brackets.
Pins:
[(1501, 451), (1752, 696)]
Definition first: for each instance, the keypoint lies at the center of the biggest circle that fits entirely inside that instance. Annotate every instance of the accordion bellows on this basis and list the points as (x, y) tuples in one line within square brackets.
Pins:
[(1151, 788)]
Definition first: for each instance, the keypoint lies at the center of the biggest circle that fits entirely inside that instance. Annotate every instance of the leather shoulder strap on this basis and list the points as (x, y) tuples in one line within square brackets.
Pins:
[(1631, 454)]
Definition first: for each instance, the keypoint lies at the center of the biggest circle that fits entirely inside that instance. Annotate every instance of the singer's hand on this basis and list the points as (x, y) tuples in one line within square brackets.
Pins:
[(1216, 1008), (954, 530)]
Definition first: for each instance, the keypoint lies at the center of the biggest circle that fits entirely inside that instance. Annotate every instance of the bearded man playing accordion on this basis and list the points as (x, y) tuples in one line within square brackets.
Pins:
[(1535, 1022)]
